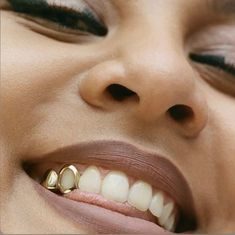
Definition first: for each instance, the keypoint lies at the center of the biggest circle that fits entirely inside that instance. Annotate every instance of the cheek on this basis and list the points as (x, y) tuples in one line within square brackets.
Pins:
[(35, 67), (25, 75), (222, 116), (31, 62), (26, 62)]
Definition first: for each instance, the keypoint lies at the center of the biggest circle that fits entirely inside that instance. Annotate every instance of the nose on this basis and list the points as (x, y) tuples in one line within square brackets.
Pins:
[(152, 84)]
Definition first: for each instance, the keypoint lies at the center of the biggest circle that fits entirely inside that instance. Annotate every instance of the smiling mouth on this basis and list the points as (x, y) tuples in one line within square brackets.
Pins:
[(114, 187)]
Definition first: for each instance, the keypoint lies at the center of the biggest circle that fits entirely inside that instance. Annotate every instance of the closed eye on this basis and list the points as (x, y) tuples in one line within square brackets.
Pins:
[(63, 15), (216, 61)]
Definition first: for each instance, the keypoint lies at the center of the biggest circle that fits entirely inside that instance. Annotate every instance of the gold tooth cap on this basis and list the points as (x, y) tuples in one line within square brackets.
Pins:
[(68, 179), (50, 179)]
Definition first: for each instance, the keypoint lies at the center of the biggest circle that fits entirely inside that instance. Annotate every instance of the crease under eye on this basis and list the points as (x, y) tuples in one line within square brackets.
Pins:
[(73, 14)]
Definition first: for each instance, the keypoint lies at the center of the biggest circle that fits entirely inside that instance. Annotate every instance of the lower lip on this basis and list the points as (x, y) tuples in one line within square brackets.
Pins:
[(96, 219)]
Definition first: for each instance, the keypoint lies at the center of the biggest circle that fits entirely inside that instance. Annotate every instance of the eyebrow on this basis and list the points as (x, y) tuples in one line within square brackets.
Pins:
[(223, 6)]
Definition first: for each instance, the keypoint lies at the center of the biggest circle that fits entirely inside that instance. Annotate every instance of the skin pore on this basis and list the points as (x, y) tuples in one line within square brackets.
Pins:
[(56, 91)]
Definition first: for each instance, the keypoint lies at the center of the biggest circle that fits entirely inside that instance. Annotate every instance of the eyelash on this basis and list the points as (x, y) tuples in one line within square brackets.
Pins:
[(215, 61), (63, 16)]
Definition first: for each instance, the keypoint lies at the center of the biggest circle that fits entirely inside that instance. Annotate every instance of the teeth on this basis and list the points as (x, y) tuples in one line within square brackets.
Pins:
[(50, 179), (156, 205), (115, 186), (68, 179), (169, 224), (90, 181), (167, 209), (140, 195)]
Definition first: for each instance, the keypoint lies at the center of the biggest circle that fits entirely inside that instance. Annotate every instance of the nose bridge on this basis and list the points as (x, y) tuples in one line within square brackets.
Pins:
[(150, 54), (156, 70), (149, 62)]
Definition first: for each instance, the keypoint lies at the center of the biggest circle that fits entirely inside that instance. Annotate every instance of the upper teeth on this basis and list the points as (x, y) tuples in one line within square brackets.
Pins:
[(68, 179), (90, 180), (50, 180), (115, 186), (156, 205), (140, 195)]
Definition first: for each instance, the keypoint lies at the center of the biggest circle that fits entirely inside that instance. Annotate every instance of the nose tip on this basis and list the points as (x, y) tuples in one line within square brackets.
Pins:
[(149, 95)]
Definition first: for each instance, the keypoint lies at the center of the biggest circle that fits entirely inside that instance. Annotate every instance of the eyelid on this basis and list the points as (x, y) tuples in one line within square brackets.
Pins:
[(74, 5), (217, 77), (81, 20), (213, 60), (57, 35), (77, 5)]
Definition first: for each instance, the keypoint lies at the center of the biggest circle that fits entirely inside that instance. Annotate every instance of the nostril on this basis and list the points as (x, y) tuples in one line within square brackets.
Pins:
[(181, 113), (119, 92)]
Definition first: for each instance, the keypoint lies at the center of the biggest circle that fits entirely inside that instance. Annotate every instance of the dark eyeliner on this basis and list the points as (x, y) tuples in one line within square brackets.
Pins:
[(213, 60), (63, 16)]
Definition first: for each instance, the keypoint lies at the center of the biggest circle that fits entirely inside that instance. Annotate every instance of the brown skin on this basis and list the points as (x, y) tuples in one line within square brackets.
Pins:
[(52, 95)]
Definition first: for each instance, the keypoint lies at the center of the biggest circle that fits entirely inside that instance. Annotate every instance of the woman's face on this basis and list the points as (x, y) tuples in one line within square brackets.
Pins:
[(143, 91)]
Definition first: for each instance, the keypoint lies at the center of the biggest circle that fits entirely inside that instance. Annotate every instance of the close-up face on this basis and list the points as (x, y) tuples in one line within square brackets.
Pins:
[(117, 116)]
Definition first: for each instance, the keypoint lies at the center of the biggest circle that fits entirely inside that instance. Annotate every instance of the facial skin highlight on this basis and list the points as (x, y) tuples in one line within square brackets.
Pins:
[(136, 84)]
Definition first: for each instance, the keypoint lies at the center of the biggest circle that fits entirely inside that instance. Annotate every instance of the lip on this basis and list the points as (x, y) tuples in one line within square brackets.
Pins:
[(150, 167), (97, 219)]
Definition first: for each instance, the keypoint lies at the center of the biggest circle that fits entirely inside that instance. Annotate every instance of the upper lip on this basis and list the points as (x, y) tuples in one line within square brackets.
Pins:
[(157, 170)]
